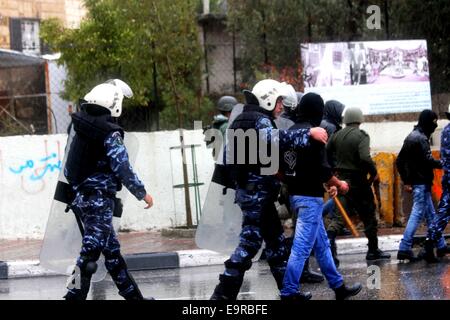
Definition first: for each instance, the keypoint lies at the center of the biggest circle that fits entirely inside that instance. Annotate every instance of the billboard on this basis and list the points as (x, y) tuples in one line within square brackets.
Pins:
[(380, 77)]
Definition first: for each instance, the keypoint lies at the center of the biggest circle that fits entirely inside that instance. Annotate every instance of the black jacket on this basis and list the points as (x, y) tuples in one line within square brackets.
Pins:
[(414, 162), (332, 117), (305, 170)]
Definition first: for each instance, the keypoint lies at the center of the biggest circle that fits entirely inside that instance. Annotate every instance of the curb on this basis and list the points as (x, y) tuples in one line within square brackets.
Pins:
[(183, 258), (3, 270)]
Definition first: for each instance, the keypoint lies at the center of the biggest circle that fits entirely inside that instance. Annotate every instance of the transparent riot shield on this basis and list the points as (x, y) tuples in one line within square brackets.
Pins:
[(221, 221), (63, 233)]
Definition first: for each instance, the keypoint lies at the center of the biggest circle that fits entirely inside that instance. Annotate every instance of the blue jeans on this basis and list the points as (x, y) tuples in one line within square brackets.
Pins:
[(422, 208), (309, 233)]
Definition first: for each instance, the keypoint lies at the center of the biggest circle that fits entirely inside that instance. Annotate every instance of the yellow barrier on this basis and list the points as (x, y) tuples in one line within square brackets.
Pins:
[(393, 206), (385, 163)]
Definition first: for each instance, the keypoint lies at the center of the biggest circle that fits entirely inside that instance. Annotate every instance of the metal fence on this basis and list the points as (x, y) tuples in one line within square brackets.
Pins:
[(30, 101)]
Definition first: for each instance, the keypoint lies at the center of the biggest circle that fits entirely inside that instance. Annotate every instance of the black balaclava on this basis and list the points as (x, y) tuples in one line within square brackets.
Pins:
[(333, 112), (427, 122), (310, 109)]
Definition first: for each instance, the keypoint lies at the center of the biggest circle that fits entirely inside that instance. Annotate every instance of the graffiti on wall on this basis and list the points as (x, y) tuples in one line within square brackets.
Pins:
[(34, 169)]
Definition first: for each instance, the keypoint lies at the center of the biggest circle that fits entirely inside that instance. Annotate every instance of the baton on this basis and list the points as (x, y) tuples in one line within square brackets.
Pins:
[(346, 218)]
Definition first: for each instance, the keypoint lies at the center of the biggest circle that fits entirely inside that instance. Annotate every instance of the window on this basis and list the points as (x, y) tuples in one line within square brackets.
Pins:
[(24, 35)]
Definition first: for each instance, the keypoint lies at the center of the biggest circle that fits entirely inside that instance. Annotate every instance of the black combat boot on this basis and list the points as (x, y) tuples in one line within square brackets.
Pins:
[(309, 276), (80, 283), (343, 292), (278, 274), (299, 296), (133, 293), (428, 251), (123, 279), (333, 247), (407, 255), (442, 252), (374, 253), (228, 288)]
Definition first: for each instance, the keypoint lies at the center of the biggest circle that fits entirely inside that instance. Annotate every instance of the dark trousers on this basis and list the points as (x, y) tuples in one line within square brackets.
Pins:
[(260, 222), (96, 213), (440, 222), (359, 200)]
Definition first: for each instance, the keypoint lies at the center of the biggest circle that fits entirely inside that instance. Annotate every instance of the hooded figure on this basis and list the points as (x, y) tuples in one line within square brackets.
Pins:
[(305, 172), (416, 165), (427, 122), (332, 116), (310, 109)]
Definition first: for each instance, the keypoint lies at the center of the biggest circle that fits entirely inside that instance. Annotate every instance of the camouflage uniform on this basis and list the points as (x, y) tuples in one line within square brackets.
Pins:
[(94, 205), (256, 197), (443, 216)]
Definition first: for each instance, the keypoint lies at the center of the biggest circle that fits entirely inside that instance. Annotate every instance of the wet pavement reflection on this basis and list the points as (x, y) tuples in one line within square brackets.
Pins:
[(381, 280)]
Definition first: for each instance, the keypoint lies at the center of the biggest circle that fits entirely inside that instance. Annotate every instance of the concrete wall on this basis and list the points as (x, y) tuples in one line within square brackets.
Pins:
[(27, 187), (27, 181), (389, 136)]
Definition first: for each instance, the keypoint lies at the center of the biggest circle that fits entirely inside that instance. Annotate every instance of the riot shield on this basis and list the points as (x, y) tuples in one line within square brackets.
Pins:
[(63, 233), (221, 221)]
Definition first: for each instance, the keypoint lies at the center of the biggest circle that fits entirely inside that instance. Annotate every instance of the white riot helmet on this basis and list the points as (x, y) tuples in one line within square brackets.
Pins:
[(267, 92), (290, 100), (109, 95)]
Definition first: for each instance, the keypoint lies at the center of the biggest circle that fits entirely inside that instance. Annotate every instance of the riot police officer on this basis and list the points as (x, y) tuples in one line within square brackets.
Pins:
[(97, 166), (256, 188)]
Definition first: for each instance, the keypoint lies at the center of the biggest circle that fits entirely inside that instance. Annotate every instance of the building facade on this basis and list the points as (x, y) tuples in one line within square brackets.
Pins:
[(20, 21)]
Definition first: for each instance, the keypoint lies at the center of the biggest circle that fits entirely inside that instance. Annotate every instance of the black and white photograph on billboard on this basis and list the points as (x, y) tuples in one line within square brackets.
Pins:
[(377, 62), (326, 64), (381, 77)]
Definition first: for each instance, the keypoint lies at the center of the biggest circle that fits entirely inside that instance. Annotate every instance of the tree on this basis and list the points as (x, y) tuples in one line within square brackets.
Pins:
[(426, 19), (138, 41), (120, 39), (271, 33)]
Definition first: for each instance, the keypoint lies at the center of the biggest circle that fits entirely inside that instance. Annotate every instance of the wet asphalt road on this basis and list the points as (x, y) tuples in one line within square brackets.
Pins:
[(397, 281)]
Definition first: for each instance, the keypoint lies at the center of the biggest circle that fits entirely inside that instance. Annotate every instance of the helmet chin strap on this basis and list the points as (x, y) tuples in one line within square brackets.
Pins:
[(250, 98)]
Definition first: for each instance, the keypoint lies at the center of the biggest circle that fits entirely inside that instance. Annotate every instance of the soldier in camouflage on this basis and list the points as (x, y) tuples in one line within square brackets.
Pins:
[(97, 166), (256, 192)]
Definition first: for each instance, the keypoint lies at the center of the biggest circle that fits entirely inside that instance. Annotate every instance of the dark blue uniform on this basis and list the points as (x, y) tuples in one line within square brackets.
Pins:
[(443, 215), (94, 204), (255, 195), (260, 217)]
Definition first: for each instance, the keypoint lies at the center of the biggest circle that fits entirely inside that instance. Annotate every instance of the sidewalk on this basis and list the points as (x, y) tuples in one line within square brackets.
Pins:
[(150, 250), (131, 243)]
